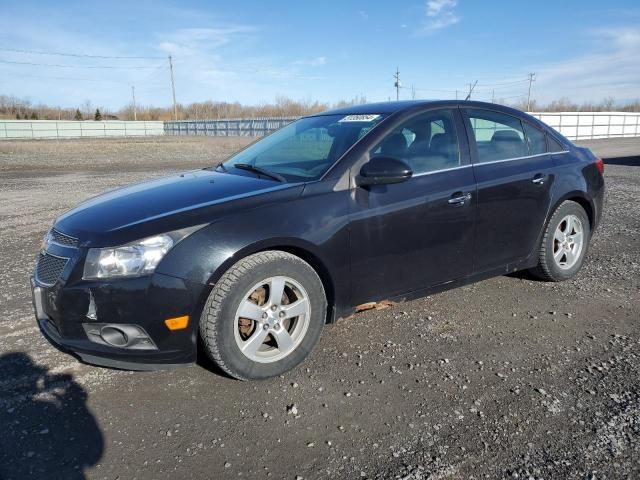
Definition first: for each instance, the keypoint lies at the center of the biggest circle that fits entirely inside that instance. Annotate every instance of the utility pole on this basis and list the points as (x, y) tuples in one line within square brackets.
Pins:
[(493, 96), (471, 87), (173, 90), (133, 95), (456, 94), (531, 80), (397, 83), (413, 92)]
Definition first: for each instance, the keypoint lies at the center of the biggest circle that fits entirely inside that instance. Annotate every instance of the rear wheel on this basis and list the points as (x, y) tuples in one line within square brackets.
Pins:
[(565, 243), (264, 315)]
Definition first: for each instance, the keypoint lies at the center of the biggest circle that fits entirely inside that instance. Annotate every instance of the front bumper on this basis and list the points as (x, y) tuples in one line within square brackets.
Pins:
[(66, 311)]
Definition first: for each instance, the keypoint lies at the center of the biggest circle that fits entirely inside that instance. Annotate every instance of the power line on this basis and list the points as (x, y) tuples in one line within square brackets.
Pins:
[(515, 82), (108, 67), (79, 55), (42, 77)]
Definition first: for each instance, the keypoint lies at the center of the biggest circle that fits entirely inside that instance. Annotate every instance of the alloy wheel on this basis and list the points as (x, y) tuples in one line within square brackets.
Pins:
[(272, 319), (568, 242)]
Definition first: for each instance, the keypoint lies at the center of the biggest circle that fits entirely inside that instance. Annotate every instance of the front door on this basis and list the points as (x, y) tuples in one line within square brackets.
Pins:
[(419, 233)]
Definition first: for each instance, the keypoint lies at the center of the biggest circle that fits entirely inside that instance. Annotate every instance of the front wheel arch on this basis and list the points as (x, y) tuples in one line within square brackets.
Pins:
[(301, 250), (222, 347)]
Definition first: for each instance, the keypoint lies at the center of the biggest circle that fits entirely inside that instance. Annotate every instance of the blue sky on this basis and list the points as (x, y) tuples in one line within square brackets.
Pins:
[(252, 51)]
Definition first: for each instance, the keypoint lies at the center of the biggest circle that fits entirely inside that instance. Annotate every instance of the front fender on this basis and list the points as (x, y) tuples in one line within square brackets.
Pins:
[(296, 225)]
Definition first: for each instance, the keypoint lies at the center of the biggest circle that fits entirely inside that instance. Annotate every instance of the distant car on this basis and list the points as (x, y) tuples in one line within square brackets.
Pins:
[(250, 258)]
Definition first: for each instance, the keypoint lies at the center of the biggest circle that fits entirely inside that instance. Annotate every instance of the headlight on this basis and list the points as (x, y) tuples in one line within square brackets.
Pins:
[(133, 259)]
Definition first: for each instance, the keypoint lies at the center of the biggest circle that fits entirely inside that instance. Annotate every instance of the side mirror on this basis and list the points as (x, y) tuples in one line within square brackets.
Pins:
[(382, 171)]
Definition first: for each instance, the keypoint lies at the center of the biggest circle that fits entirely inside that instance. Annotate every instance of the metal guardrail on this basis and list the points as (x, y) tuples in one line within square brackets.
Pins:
[(592, 125), (57, 129), (573, 125), (232, 127)]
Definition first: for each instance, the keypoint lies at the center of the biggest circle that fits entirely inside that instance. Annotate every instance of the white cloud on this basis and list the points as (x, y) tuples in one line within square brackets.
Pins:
[(440, 14), (312, 62), (435, 7), (191, 41), (612, 70)]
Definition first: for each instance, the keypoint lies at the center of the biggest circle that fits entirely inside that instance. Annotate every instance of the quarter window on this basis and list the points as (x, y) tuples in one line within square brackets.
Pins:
[(498, 136), (554, 145), (427, 142), (535, 139)]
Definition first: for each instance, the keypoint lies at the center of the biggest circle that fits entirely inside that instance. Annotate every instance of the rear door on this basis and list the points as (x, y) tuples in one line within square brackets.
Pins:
[(417, 233), (514, 175)]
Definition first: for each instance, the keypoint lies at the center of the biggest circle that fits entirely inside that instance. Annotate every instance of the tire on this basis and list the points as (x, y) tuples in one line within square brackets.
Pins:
[(255, 346), (559, 258)]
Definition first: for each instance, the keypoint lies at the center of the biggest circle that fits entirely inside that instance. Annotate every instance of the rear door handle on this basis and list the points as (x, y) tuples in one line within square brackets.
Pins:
[(539, 179), (459, 198)]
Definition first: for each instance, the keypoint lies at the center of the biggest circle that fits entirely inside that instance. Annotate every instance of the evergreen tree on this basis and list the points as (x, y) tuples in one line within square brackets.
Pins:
[(78, 115), (98, 116), (34, 116), (18, 116)]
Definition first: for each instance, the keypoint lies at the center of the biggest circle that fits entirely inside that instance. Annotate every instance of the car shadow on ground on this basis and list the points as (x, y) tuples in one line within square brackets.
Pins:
[(628, 161), (524, 275), (46, 429)]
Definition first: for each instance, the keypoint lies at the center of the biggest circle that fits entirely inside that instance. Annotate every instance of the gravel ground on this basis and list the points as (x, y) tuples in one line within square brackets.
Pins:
[(507, 378)]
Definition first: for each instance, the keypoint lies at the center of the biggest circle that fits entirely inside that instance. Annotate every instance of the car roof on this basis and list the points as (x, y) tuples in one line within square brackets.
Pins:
[(398, 106)]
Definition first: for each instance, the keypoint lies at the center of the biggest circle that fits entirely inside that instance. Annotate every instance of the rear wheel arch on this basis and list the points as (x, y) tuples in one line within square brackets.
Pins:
[(578, 197), (573, 246)]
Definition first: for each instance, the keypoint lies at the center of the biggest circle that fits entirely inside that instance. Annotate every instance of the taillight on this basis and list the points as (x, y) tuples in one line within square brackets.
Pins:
[(600, 165)]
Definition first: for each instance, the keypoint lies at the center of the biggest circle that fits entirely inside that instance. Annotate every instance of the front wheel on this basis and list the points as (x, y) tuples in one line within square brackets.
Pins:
[(565, 243), (264, 315)]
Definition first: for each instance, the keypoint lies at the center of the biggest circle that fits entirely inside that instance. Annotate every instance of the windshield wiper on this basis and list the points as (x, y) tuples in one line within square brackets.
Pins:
[(260, 171)]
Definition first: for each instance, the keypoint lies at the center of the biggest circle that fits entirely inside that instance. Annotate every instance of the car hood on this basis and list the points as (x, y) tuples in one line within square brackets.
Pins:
[(165, 204)]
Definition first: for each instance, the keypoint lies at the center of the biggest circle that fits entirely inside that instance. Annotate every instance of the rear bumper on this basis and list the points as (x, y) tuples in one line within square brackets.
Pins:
[(64, 316)]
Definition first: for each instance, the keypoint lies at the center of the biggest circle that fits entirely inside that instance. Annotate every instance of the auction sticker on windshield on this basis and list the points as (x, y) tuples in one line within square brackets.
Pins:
[(360, 118)]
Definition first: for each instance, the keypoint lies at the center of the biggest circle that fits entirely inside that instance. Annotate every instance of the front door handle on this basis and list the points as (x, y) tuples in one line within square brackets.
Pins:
[(539, 179), (459, 198)]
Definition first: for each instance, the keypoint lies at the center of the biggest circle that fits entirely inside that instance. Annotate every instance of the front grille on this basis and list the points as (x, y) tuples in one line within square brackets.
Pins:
[(62, 239), (49, 268)]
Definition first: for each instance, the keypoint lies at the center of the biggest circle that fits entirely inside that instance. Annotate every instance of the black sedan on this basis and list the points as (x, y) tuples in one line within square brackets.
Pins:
[(247, 260)]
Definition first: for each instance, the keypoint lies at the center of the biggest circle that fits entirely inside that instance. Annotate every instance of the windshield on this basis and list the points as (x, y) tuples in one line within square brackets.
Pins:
[(305, 149)]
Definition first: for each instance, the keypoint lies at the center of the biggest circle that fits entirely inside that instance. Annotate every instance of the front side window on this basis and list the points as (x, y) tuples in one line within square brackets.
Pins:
[(535, 139), (427, 142), (498, 136), (305, 149)]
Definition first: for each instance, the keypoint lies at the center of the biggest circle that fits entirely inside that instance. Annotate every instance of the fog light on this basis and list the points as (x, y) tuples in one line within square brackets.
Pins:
[(114, 336), (119, 335)]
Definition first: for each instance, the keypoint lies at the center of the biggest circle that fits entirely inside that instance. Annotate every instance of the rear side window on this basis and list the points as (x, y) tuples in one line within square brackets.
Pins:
[(554, 145), (535, 139), (498, 136)]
